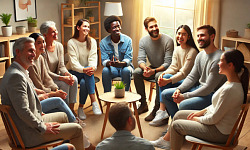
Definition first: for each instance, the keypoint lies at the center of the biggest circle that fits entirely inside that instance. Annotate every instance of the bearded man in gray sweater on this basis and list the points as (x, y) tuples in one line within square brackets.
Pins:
[(158, 48)]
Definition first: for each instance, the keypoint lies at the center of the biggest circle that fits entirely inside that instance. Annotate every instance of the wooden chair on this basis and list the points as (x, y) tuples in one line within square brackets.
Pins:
[(12, 131), (152, 86), (232, 140)]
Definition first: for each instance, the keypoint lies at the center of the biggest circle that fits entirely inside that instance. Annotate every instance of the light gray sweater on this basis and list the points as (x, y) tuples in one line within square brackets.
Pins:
[(225, 108), (159, 52), (205, 71)]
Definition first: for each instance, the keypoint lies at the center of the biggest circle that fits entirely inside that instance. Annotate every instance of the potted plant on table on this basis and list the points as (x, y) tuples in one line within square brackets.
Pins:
[(119, 89), (247, 31), (7, 29), (32, 24)]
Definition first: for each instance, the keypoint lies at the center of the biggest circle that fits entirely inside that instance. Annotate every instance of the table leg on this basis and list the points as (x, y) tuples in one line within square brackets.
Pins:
[(105, 119), (137, 119)]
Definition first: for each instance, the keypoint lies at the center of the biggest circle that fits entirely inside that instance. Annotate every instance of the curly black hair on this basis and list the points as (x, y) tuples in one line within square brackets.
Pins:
[(109, 20)]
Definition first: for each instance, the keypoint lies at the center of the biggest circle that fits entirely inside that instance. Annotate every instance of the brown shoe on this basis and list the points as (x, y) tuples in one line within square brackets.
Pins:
[(142, 109), (151, 116)]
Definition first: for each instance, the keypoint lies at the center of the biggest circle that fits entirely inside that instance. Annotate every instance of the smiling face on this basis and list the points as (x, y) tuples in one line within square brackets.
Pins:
[(52, 34), (203, 38), (153, 29), (223, 65), (84, 28), (115, 28), (27, 55), (182, 36), (40, 45)]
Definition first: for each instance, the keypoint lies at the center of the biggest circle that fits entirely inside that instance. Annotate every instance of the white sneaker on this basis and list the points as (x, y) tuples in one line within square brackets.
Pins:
[(80, 122), (96, 109), (81, 113), (160, 118), (161, 143), (160, 115)]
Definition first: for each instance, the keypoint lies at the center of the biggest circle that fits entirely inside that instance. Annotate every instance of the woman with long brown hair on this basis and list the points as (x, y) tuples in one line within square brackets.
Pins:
[(82, 50)]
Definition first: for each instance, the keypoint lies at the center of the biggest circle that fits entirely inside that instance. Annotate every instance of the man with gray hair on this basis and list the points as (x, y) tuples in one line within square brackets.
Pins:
[(17, 91), (123, 120)]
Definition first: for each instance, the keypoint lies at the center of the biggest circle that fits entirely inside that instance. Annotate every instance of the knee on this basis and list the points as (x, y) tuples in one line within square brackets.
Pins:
[(166, 95), (75, 79), (167, 76), (126, 71), (184, 106), (177, 115), (82, 82), (137, 72), (157, 75), (105, 71)]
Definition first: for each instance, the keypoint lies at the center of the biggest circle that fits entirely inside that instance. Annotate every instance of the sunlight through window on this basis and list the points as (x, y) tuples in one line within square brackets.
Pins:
[(172, 13)]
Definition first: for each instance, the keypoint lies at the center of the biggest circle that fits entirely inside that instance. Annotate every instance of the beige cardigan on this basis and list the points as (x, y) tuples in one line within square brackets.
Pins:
[(38, 73), (182, 63)]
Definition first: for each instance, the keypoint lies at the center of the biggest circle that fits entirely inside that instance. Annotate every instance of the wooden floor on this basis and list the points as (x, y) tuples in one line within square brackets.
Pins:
[(94, 125)]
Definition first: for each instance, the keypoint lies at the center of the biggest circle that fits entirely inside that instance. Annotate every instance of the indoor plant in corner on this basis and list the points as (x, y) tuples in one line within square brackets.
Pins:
[(119, 89), (32, 24), (7, 29), (247, 31)]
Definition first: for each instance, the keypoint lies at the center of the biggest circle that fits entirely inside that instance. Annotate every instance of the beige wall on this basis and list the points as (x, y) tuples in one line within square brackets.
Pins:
[(235, 14), (46, 10), (126, 24)]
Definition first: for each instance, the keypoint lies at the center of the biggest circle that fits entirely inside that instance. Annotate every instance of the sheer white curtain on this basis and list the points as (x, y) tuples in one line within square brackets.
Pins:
[(207, 12), (141, 10)]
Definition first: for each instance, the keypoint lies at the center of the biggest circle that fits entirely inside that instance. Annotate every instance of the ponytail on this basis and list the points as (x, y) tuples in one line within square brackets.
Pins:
[(244, 79)]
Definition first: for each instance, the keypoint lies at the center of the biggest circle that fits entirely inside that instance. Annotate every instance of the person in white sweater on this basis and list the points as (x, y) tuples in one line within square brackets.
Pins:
[(215, 122), (82, 51), (182, 63)]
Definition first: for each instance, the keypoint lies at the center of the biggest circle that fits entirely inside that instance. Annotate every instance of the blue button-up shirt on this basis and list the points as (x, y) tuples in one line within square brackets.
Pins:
[(125, 49)]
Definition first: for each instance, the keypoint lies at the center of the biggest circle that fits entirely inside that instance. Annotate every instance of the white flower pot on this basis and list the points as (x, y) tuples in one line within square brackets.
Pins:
[(119, 93), (247, 33), (7, 30)]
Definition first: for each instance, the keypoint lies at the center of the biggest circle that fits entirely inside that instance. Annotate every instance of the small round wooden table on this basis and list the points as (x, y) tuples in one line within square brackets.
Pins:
[(109, 97)]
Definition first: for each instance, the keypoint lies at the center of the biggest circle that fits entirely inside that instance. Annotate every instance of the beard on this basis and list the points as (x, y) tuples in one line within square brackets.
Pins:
[(154, 35), (206, 43)]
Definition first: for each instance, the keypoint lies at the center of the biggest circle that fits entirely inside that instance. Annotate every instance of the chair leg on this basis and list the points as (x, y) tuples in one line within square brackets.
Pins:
[(194, 147), (152, 84), (200, 147), (99, 100)]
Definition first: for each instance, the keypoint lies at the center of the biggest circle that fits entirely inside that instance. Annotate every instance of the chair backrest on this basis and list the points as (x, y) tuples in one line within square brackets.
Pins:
[(234, 135), (10, 126)]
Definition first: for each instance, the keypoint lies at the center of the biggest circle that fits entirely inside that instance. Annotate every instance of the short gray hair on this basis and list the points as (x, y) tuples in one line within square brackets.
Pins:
[(19, 44), (46, 25)]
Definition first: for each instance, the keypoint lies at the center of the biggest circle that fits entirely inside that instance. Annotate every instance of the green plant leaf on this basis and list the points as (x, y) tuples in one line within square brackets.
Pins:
[(119, 85), (248, 25), (5, 18)]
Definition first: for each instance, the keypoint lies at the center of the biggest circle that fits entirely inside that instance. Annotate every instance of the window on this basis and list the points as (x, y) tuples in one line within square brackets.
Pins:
[(172, 13)]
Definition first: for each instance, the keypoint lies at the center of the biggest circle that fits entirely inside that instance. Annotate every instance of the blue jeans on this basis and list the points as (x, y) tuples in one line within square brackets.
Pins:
[(87, 85), (108, 73), (61, 147), (56, 104), (194, 103), (170, 85)]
